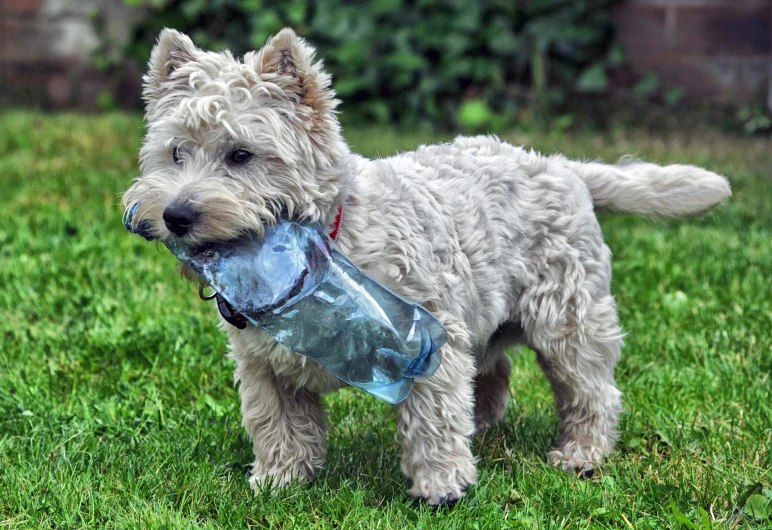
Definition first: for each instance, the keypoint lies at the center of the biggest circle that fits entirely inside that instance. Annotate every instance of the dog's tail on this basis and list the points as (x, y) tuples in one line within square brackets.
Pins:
[(648, 189)]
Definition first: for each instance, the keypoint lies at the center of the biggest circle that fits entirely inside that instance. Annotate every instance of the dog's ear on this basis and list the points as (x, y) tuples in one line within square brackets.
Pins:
[(290, 59), (173, 50)]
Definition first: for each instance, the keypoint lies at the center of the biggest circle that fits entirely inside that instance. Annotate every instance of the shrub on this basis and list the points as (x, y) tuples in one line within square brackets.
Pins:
[(445, 62)]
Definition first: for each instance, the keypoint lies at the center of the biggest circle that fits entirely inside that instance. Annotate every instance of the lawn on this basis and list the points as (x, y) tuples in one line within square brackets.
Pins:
[(117, 404)]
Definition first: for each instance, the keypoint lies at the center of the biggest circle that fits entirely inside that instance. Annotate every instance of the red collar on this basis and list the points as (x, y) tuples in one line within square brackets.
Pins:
[(335, 226)]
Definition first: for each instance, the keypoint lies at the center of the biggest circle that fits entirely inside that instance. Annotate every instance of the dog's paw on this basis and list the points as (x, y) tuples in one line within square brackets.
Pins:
[(577, 460), (443, 485), (273, 480)]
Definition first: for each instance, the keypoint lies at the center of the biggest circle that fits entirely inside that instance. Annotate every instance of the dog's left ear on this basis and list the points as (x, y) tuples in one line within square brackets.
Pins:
[(290, 60), (165, 70)]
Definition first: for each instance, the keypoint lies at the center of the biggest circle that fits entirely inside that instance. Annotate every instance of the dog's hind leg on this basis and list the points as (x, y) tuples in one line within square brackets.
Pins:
[(491, 394), (580, 369), (570, 320), (491, 386), (286, 425), (436, 422)]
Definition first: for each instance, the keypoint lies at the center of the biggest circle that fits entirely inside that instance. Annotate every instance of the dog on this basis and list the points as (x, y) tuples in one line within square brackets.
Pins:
[(500, 243)]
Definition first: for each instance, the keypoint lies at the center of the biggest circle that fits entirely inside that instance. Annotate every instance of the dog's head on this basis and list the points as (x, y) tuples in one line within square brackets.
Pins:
[(233, 144)]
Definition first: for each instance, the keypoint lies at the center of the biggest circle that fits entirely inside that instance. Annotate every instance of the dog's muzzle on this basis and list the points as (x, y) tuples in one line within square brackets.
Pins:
[(233, 317), (141, 229)]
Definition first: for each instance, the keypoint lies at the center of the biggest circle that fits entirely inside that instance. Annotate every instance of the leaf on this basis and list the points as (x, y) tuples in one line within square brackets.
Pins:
[(379, 110), (296, 12), (674, 95), (474, 113), (757, 123), (610, 482), (744, 113), (249, 5), (563, 122), (747, 491), (617, 55), (683, 519), (383, 7), (503, 41), (409, 514), (663, 490), (605, 513), (675, 302), (757, 507), (213, 405), (593, 79), (707, 524), (647, 86), (405, 60), (349, 86)]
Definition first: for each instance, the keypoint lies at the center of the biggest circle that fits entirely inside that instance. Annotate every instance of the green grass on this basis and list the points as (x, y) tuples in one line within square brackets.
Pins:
[(117, 406)]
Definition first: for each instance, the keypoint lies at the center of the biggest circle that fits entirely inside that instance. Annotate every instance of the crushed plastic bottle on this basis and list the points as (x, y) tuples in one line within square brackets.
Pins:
[(314, 301)]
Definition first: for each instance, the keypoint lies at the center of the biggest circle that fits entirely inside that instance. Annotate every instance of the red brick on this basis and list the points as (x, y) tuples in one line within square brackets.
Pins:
[(740, 30), (25, 7), (641, 28)]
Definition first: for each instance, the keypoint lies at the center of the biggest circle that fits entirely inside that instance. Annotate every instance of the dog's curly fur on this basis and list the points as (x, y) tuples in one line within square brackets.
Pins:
[(499, 242)]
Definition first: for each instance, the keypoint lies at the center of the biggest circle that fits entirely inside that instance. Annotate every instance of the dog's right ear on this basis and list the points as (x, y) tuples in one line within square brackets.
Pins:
[(173, 50)]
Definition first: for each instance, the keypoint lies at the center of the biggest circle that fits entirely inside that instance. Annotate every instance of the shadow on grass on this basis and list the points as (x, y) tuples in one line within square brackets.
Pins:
[(367, 458)]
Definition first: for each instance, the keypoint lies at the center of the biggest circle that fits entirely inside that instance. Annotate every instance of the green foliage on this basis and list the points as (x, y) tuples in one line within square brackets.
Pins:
[(647, 86), (754, 120), (474, 113), (674, 96), (593, 79), (418, 62), (118, 410), (757, 507)]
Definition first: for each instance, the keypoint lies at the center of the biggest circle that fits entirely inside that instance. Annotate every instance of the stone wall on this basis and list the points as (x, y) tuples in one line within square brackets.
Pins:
[(718, 50), (47, 49)]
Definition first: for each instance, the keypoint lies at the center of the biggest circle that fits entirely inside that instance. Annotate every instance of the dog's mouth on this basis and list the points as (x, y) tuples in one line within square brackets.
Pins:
[(189, 243)]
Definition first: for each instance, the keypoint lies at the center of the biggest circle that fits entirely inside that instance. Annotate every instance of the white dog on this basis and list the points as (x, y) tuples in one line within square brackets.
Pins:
[(499, 243)]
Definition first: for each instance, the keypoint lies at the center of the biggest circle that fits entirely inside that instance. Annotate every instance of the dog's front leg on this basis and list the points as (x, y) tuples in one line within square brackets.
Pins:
[(436, 423), (286, 425)]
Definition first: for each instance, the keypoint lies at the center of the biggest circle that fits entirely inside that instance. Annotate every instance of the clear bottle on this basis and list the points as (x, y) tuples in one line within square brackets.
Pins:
[(314, 301)]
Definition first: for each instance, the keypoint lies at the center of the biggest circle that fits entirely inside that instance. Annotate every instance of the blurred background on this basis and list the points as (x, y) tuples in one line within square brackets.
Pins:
[(448, 64)]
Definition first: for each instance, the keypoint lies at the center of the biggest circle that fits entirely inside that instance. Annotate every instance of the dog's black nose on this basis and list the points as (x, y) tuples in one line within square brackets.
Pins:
[(179, 217)]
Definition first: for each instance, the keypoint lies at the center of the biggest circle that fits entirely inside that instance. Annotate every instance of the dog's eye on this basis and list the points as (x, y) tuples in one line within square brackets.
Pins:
[(239, 156), (176, 155)]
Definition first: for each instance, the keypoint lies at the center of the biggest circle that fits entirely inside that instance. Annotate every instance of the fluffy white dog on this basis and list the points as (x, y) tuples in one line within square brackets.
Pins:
[(499, 243)]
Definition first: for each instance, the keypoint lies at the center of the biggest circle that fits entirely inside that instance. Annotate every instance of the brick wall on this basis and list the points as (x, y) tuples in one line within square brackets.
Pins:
[(717, 50), (46, 49)]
